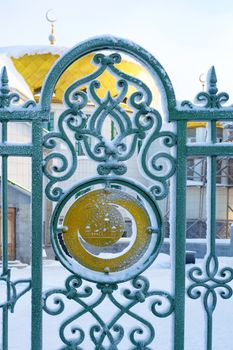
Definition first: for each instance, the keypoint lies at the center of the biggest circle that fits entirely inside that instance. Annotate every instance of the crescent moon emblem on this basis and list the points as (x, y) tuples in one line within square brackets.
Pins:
[(200, 78), (49, 18)]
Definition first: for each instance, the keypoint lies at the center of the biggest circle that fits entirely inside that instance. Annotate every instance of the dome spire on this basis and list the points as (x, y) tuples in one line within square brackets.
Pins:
[(52, 20)]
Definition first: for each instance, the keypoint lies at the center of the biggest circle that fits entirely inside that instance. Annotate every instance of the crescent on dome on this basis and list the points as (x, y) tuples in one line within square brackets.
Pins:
[(201, 78), (50, 16)]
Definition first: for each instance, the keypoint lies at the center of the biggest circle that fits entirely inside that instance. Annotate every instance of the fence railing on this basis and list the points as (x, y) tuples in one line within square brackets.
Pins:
[(138, 121)]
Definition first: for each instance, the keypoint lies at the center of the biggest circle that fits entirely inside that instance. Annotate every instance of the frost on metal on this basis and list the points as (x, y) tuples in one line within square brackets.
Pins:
[(8, 98), (133, 120), (19, 51), (210, 99)]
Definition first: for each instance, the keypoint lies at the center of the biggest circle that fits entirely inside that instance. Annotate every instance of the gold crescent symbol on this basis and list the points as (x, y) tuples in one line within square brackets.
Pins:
[(74, 221), (50, 19), (200, 78)]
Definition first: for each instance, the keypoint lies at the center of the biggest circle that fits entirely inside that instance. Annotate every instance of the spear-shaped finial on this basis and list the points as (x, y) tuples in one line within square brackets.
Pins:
[(6, 97), (4, 82), (212, 81), (210, 98), (4, 89)]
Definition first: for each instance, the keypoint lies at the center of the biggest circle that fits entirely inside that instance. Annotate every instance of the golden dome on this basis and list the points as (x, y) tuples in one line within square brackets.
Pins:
[(34, 66)]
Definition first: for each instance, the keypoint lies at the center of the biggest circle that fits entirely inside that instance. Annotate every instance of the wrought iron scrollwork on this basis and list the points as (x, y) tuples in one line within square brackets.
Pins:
[(134, 120), (65, 167), (140, 336), (162, 165), (208, 281), (131, 127), (13, 293), (8, 98)]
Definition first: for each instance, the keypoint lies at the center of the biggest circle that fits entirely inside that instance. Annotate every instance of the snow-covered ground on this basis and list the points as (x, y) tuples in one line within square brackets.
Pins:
[(160, 279)]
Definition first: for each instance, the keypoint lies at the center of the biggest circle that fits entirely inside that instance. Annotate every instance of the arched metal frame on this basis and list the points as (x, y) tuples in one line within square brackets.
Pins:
[(101, 43), (111, 161), (204, 281)]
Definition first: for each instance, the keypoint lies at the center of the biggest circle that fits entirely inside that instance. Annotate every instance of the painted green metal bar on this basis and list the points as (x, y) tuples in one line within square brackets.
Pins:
[(211, 224), (221, 149), (211, 193), (4, 228), (37, 190), (203, 115), (27, 115), (16, 150), (180, 230), (4, 205), (112, 130)]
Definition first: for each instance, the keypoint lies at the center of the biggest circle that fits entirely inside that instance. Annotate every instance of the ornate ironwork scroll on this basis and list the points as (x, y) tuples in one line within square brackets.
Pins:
[(142, 120), (111, 332), (8, 98), (11, 109), (210, 280), (210, 98), (12, 293), (92, 210)]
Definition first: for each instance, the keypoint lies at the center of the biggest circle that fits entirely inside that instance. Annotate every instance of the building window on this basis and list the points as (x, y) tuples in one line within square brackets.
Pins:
[(196, 169), (190, 169), (219, 171), (191, 135), (219, 134), (224, 172), (230, 171)]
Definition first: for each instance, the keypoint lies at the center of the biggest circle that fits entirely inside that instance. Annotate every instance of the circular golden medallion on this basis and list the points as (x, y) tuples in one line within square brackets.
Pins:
[(107, 230), (96, 218)]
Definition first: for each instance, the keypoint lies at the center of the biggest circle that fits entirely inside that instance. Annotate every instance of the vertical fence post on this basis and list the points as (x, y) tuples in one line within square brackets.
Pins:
[(179, 239), (211, 221), (4, 228), (37, 187)]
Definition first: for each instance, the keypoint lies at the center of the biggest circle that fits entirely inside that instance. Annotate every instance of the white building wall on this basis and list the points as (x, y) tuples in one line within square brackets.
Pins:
[(19, 168), (196, 203)]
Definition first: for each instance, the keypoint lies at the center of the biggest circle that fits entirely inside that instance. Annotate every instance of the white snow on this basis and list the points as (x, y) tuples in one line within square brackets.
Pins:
[(16, 81), (160, 279), (19, 51)]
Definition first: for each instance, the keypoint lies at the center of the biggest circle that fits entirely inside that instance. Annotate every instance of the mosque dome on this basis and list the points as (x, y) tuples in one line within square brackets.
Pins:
[(28, 67), (34, 63), (16, 81)]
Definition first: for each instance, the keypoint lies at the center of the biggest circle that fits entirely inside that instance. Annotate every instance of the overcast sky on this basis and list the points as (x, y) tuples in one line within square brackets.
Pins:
[(186, 36)]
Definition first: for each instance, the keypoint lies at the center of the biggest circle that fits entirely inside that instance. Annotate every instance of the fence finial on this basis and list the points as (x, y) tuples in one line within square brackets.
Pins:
[(212, 81), (4, 82)]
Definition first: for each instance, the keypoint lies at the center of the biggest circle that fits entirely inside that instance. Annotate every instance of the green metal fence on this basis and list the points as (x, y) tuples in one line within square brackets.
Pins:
[(137, 122)]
